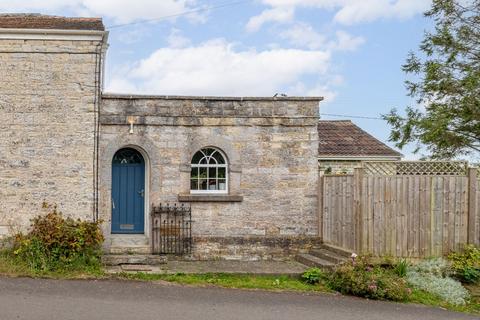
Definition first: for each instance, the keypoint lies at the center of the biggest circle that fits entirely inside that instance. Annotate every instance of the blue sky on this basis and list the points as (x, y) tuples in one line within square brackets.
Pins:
[(349, 51)]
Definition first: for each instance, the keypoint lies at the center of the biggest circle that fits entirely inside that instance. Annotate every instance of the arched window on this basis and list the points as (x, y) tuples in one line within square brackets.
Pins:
[(209, 171)]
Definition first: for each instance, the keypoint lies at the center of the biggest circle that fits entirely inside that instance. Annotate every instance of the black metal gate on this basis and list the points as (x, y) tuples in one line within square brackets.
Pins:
[(171, 229)]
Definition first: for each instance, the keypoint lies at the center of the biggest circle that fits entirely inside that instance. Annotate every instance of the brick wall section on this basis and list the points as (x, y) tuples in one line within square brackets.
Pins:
[(272, 150), (46, 128)]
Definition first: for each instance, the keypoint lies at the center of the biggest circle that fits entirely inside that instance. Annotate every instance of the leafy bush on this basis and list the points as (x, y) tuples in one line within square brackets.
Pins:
[(466, 264), (55, 242), (437, 266), (363, 279), (432, 276), (313, 275)]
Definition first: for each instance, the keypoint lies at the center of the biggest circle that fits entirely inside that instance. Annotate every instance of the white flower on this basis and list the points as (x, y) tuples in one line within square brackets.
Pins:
[(354, 255)]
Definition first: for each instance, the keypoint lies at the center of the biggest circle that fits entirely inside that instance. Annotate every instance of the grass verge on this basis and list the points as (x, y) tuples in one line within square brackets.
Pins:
[(12, 266), (239, 281)]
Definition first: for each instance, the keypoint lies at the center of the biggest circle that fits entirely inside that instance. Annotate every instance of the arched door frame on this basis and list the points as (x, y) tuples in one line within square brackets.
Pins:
[(146, 159)]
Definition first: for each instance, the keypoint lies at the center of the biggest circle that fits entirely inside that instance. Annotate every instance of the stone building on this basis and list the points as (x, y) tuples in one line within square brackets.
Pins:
[(246, 166), (343, 146)]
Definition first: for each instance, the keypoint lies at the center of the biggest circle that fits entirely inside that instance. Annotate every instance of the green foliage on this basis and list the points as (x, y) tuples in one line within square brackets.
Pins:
[(447, 84), (364, 279), (432, 276), (401, 268), (466, 264), (438, 267), (55, 242), (230, 281), (313, 275)]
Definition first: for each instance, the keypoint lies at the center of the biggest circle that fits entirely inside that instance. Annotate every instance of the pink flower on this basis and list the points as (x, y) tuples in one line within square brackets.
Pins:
[(372, 287)]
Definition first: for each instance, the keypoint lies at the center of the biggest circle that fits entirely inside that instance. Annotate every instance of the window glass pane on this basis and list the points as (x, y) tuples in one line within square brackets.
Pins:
[(212, 184), (222, 184), (221, 173), (212, 173), (196, 157), (212, 161), (203, 173), (203, 161), (218, 156), (208, 151), (194, 173), (127, 156), (202, 184), (194, 184)]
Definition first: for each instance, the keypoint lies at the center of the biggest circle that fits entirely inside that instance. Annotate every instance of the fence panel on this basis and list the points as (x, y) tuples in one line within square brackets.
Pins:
[(401, 215)]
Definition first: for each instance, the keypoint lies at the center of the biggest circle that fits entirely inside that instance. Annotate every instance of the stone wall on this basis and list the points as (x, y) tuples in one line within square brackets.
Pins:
[(47, 90), (271, 146)]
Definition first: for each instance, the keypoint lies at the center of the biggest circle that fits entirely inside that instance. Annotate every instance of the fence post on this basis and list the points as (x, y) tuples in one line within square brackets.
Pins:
[(473, 210), (357, 198), (321, 173)]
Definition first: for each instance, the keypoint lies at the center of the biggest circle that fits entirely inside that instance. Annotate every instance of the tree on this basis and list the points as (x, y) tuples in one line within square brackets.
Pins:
[(447, 84)]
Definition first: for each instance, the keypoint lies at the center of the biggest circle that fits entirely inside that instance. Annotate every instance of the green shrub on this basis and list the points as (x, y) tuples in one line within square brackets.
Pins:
[(466, 264), (432, 276), (401, 268), (55, 242), (313, 275), (436, 266), (363, 279)]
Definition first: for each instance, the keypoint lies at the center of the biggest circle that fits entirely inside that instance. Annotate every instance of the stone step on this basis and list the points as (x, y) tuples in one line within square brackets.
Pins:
[(133, 259), (328, 255), (128, 240), (129, 250), (337, 250), (312, 261)]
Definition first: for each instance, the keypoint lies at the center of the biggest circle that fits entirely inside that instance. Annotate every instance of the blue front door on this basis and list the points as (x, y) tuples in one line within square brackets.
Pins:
[(128, 192)]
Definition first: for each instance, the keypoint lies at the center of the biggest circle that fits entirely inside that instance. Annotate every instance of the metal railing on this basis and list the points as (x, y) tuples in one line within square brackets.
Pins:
[(171, 229)]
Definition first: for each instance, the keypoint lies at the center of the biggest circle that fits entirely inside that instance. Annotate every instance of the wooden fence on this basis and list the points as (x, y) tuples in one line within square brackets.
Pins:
[(414, 215)]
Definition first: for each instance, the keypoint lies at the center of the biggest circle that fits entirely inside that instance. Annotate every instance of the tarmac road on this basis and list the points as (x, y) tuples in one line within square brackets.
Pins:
[(23, 298)]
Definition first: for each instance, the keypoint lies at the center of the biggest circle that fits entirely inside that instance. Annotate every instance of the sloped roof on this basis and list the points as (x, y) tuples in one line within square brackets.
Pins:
[(38, 21), (344, 138)]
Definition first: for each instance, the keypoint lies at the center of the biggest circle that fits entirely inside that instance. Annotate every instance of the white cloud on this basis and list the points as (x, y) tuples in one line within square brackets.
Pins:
[(346, 42), (280, 14), (217, 67), (177, 40), (370, 10), (303, 35), (121, 11), (348, 12)]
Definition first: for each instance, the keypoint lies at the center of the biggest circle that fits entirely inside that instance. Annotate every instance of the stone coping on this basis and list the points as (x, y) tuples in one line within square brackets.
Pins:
[(210, 198), (208, 98)]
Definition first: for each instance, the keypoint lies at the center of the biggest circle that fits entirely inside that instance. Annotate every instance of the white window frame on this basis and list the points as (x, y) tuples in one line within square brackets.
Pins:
[(208, 166)]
